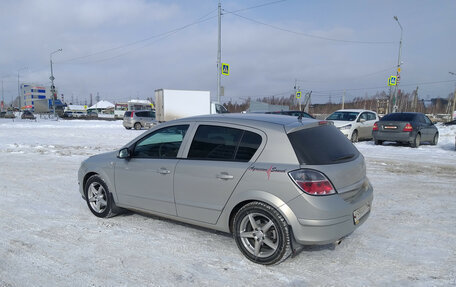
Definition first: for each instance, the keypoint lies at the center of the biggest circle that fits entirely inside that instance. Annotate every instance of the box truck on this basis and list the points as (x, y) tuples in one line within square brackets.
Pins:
[(176, 104)]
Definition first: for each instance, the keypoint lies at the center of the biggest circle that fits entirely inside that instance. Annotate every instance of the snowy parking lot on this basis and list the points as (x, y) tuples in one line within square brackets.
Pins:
[(48, 236)]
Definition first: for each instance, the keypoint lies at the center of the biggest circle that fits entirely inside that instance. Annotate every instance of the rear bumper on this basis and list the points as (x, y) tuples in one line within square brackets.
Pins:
[(324, 231), (127, 123), (394, 136)]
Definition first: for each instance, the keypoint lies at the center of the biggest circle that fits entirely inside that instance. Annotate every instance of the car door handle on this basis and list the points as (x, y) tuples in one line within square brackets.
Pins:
[(163, 171), (224, 176)]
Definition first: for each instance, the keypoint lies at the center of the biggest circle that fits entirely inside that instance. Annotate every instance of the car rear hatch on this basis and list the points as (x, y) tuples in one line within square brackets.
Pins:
[(323, 148)]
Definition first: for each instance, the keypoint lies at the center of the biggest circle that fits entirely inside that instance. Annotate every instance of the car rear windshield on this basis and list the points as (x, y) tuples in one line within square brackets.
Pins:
[(127, 114), (399, 117), (320, 145)]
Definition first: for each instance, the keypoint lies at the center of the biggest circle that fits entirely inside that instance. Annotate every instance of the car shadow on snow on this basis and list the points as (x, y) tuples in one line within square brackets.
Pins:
[(126, 213)]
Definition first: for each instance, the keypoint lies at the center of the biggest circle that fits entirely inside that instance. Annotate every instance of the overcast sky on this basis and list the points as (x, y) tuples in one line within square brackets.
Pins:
[(127, 49)]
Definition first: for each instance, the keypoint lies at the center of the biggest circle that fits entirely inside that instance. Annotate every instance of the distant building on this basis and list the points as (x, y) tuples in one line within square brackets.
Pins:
[(37, 98)]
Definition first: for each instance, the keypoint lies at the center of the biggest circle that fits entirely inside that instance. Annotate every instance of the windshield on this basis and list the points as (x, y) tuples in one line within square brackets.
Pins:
[(343, 116)]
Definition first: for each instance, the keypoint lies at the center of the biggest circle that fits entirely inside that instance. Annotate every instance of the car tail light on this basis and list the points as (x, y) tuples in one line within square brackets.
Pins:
[(375, 128), (408, 128), (131, 115), (312, 182)]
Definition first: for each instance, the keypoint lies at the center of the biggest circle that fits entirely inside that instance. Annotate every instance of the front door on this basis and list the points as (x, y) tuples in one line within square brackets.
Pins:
[(145, 180)]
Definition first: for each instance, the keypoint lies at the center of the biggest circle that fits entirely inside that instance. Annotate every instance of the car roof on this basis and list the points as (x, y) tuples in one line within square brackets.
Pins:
[(256, 120), (411, 113), (354, 110)]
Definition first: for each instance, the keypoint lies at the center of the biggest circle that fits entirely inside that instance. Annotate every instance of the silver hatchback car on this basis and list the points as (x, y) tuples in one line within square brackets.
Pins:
[(139, 119), (275, 182)]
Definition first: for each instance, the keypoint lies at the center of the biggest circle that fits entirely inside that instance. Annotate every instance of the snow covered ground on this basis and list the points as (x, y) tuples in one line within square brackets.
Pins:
[(48, 237)]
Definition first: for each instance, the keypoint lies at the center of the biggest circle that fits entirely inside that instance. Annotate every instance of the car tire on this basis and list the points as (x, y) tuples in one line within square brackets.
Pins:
[(98, 198), (354, 136), (435, 140), (378, 142), (128, 128), (137, 126), (417, 141), (261, 233)]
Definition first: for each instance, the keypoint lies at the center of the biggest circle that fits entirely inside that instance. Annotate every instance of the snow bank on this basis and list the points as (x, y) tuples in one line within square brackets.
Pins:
[(50, 238)]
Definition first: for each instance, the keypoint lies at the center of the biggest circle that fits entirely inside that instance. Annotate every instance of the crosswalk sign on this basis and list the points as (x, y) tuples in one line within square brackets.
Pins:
[(298, 95), (225, 69), (392, 81)]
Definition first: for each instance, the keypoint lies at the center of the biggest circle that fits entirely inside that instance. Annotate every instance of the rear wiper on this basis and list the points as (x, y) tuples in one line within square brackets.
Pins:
[(344, 157)]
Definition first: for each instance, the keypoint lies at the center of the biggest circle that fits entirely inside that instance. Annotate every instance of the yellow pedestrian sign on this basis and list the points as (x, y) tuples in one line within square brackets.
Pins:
[(392, 81), (298, 95), (225, 69)]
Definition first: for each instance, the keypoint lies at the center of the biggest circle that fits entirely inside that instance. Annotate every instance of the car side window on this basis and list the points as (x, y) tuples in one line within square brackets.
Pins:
[(421, 119), (363, 116), (371, 117), (223, 143), (163, 143), (427, 120)]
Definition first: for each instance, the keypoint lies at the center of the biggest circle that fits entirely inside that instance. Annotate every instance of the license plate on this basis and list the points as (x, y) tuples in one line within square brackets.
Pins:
[(390, 127), (360, 212)]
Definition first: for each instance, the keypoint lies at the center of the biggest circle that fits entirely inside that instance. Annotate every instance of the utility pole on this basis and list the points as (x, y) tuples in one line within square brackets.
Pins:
[(3, 98), (54, 95), (454, 100), (454, 105), (294, 91), (343, 101), (18, 91), (415, 100), (219, 52), (394, 104)]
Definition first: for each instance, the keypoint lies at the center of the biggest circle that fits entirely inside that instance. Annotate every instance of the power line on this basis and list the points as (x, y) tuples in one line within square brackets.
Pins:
[(256, 6), (164, 34), (383, 87), (310, 35)]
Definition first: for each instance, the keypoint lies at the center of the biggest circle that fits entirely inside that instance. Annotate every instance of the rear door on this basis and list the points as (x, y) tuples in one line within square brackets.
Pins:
[(428, 128), (364, 128), (217, 159)]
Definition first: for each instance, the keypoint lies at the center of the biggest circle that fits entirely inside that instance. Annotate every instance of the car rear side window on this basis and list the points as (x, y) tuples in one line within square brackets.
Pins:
[(322, 145), (223, 143)]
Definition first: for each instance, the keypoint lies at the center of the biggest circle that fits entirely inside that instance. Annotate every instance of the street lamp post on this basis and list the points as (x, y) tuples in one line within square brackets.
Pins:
[(52, 81), (394, 100)]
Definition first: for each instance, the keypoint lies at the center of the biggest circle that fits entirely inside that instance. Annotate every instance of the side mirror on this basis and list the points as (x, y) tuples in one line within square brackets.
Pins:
[(361, 120), (124, 153)]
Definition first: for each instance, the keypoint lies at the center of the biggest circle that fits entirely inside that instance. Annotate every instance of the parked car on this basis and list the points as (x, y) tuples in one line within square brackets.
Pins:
[(412, 128), (8, 115), (27, 115), (139, 119), (273, 182), (292, 113), (450, 123), (92, 115), (354, 124)]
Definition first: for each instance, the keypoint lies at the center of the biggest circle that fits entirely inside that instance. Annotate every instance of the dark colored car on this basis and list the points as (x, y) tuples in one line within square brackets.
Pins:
[(27, 115), (292, 113), (412, 128)]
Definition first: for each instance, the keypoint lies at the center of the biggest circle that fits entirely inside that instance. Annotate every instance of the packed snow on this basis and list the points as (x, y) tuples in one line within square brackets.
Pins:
[(48, 236)]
